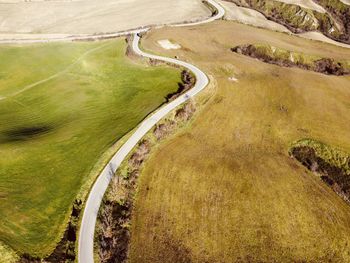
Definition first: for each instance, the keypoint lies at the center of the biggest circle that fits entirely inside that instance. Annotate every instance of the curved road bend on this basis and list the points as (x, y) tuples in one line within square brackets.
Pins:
[(87, 229)]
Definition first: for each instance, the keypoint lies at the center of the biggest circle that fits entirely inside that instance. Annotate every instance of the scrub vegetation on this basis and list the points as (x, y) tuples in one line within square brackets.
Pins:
[(331, 155), (332, 164), (298, 19), (286, 58), (113, 226), (226, 189), (341, 12), (64, 105)]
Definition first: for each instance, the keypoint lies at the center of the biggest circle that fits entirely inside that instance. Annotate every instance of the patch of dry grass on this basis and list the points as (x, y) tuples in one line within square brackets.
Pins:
[(7, 255), (225, 189)]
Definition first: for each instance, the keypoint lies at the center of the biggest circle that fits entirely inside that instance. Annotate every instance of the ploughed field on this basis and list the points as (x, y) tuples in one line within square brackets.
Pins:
[(21, 19), (225, 189), (62, 106)]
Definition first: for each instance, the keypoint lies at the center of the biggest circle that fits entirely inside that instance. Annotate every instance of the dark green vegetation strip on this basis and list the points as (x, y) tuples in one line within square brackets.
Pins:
[(52, 133), (331, 163), (286, 58)]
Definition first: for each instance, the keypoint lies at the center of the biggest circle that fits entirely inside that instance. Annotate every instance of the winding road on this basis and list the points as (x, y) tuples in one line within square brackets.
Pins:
[(87, 229), (93, 202)]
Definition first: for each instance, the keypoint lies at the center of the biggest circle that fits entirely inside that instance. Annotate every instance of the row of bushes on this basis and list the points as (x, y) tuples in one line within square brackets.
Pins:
[(282, 57), (332, 164)]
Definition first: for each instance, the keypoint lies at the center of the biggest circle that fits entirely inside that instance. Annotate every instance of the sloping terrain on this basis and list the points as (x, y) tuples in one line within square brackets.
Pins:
[(299, 18), (250, 16), (341, 14), (330, 163), (287, 58), (247, 178), (309, 4), (225, 189), (54, 132)]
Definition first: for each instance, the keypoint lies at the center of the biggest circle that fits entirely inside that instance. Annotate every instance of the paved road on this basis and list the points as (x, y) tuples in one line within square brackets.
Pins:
[(87, 229)]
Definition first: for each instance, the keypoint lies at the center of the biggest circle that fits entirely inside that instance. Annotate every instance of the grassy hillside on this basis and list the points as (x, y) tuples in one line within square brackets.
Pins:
[(226, 189), (52, 134)]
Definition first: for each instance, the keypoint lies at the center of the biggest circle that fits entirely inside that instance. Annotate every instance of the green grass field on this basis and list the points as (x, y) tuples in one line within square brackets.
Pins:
[(225, 188), (52, 133)]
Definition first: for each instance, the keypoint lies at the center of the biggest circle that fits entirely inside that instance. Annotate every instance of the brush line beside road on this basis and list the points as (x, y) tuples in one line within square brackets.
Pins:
[(93, 203)]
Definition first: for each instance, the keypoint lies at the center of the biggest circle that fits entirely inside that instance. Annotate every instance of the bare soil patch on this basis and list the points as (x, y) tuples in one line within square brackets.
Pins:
[(93, 16), (250, 17), (320, 37), (306, 4)]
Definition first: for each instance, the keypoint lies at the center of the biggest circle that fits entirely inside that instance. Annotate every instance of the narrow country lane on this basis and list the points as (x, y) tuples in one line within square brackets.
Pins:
[(92, 205)]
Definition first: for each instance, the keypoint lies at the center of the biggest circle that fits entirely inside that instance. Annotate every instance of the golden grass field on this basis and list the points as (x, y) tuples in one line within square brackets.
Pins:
[(224, 189)]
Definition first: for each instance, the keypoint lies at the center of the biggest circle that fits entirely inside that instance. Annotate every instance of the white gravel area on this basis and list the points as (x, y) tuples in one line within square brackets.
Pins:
[(167, 44)]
